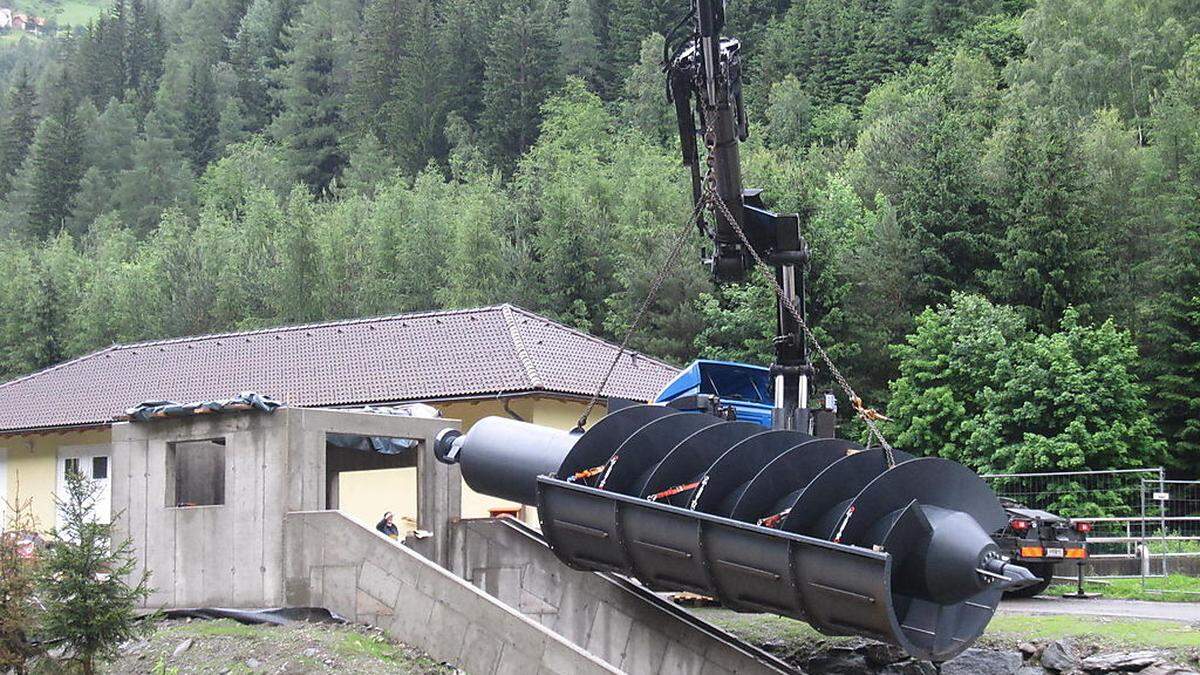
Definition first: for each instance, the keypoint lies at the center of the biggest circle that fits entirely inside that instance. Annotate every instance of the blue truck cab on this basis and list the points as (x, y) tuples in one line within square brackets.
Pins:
[(745, 388)]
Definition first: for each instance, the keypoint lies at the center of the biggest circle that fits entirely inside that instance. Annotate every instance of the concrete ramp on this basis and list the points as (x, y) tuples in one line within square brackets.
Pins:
[(335, 562), (610, 617)]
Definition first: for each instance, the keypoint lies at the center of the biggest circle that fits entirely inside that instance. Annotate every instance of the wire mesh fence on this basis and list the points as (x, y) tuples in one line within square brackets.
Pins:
[(1145, 524)]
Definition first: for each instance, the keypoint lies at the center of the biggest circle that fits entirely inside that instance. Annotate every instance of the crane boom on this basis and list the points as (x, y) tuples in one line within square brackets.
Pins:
[(704, 83)]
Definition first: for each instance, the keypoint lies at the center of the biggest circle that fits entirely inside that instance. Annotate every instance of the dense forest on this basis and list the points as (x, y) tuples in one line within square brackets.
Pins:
[(1001, 194)]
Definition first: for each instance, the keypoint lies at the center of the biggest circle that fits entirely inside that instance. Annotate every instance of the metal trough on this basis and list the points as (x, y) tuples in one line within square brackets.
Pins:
[(819, 530)]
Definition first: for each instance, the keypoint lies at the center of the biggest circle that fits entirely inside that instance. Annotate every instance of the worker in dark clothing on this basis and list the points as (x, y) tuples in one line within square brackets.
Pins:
[(388, 527)]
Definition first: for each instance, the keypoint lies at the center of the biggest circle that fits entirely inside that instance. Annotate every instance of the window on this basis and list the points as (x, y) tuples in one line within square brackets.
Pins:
[(196, 473), (99, 468), (71, 465)]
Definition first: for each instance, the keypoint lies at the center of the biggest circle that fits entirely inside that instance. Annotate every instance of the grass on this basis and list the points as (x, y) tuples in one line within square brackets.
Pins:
[(216, 628), (1172, 588), (1005, 630), (77, 12)]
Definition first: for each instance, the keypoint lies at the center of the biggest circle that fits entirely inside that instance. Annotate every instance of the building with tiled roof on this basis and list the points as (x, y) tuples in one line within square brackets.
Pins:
[(471, 363)]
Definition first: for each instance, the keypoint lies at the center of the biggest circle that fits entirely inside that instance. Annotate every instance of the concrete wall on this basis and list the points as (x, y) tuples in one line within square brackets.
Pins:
[(232, 554), (365, 495), (631, 630), (338, 563)]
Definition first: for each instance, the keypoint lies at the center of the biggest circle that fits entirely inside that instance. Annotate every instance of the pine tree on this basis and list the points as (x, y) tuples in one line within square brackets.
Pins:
[(521, 72), (310, 123), (1175, 357), (254, 52), (20, 123), (399, 91), (18, 585), (146, 48), (579, 49), (160, 178), (86, 584), (1049, 255), (57, 166), (201, 118), (645, 105), (631, 21)]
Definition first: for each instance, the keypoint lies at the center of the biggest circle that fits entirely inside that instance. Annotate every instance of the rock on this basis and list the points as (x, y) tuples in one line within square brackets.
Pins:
[(910, 667), (1028, 649), (1121, 661), (984, 662), (837, 661), (1164, 668), (1060, 656), (1031, 670), (774, 646), (253, 664), (183, 647), (311, 652), (880, 654)]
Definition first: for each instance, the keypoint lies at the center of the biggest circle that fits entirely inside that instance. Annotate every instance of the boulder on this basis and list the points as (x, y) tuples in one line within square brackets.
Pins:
[(1120, 661), (1164, 668), (1060, 656), (984, 662)]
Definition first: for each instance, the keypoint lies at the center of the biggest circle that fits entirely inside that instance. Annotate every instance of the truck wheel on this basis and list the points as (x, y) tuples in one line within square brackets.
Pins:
[(1043, 570)]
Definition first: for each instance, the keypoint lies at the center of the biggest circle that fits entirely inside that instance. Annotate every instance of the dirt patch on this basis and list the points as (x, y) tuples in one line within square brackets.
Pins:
[(225, 646)]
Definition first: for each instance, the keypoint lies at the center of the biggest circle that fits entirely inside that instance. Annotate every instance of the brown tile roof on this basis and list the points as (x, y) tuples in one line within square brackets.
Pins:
[(427, 356)]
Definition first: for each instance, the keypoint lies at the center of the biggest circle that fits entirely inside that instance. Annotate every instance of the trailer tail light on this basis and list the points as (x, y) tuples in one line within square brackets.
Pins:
[(1032, 552), (1083, 528), (1078, 553), (1020, 525)]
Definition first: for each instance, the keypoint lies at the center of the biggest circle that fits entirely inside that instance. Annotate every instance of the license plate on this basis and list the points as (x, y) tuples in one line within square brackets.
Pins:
[(1054, 553)]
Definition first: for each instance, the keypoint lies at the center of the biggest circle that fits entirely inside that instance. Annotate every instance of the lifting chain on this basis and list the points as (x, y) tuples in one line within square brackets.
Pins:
[(713, 201)]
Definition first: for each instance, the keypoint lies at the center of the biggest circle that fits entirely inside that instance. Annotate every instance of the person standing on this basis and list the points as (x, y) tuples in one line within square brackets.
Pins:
[(387, 526)]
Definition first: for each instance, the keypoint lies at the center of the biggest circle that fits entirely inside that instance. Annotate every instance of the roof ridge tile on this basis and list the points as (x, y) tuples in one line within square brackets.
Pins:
[(307, 326), (588, 336), (535, 380)]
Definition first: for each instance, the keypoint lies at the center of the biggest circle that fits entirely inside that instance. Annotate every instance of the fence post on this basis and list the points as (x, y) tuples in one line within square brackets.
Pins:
[(1162, 514), (1143, 549)]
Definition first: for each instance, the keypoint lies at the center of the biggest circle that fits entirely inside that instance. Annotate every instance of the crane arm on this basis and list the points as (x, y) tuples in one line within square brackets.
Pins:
[(704, 84)]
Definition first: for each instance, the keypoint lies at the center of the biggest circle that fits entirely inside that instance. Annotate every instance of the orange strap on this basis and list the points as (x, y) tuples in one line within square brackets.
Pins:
[(671, 492), (588, 473), (774, 521)]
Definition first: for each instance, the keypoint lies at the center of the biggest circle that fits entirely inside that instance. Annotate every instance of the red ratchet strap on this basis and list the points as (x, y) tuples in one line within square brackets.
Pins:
[(774, 521), (671, 492)]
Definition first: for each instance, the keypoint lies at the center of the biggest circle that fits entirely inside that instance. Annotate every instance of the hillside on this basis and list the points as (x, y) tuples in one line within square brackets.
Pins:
[(1000, 195)]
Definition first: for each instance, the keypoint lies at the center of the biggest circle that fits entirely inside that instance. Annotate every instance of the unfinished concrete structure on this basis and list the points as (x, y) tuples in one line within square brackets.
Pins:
[(239, 510)]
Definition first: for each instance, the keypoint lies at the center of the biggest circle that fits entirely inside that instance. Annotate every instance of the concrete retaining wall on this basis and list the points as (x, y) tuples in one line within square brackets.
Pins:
[(336, 562), (618, 622)]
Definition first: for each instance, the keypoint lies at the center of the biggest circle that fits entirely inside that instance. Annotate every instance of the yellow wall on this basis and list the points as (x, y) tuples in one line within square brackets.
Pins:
[(364, 495), (32, 460)]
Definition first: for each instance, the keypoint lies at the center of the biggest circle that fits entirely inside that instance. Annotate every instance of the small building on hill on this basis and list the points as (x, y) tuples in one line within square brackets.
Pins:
[(468, 364)]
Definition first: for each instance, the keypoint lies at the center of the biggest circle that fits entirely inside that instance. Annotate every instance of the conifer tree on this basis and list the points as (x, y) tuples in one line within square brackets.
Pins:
[(201, 118), (520, 73), (56, 166), (579, 49), (88, 584), (20, 123), (310, 123), (399, 89)]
